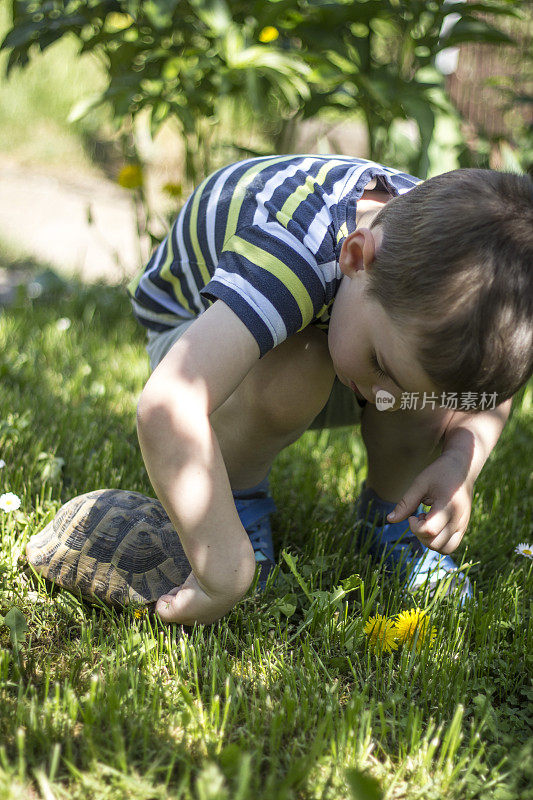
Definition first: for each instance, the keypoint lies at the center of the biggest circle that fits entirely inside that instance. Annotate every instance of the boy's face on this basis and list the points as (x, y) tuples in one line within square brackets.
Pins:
[(361, 332)]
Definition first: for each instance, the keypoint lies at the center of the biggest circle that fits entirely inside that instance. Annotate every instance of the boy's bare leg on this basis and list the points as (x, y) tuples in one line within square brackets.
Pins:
[(273, 406), (400, 444)]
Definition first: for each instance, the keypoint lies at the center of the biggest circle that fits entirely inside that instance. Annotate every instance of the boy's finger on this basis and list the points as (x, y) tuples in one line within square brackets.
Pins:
[(435, 541), (445, 542), (433, 522), (453, 540), (407, 505), (166, 607)]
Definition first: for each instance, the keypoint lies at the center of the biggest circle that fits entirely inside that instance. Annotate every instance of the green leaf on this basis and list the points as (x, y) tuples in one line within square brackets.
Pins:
[(351, 582), (474, 30), (50, 466), (346, 66), (375, 88), (291, 563), (362, 786), (215, 14), (187, 696), (159, 12), (419, 108), (287, 608), (211, 784), (16, 622), (82, 107), (20, 35), (483, 8), (231, 758), (158, 114)]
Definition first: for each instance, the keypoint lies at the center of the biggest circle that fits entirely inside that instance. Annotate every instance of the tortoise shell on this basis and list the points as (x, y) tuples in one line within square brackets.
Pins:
[(110, 544)]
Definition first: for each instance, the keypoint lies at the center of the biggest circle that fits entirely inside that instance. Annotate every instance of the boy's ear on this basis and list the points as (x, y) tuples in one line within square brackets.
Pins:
[(358, 251)]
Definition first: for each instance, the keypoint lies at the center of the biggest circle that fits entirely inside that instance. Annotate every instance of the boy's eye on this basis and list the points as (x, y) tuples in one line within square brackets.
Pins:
[(377, 368)]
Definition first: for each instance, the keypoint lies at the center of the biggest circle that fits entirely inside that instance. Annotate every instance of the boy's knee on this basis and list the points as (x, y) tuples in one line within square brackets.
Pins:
[(414, 431), (294, 381)]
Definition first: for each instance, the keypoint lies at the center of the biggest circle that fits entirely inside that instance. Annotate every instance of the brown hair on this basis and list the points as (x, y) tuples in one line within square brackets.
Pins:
[(455, 269)]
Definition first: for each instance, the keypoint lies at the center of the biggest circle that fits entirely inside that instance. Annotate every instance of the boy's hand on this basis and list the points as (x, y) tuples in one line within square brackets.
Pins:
[(190, 603), (445, 486)]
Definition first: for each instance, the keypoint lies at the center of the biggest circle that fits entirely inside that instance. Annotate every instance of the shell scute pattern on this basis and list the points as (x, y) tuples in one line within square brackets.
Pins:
[(111, 544), (149, 551), (163, 580), (86, 574), (142, 586)]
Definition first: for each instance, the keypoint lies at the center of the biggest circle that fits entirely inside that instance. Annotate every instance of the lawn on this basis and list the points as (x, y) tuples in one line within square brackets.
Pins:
[(283, 698)]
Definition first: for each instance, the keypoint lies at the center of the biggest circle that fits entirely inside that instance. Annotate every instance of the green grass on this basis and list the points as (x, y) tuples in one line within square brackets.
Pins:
[(281, 698)]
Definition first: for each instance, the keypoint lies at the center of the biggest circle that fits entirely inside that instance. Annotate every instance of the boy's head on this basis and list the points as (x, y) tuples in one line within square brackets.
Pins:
[(455, 269)]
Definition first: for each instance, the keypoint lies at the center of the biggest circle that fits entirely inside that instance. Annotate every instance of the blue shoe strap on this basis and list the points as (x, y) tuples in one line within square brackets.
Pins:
[(262, 542), (252, 510)]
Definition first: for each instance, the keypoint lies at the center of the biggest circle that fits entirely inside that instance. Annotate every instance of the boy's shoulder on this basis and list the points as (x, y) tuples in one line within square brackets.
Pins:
[(304, 193)]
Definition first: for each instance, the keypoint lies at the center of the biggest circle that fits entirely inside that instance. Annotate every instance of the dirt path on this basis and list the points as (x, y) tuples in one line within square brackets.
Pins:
[(47, 217)]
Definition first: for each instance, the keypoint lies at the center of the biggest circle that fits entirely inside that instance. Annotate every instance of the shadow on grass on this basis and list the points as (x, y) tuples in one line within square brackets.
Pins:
[(72, 364)]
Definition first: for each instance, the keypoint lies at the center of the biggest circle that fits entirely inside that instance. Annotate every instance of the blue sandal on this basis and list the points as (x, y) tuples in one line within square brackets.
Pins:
[(254, 515), (397, 547)]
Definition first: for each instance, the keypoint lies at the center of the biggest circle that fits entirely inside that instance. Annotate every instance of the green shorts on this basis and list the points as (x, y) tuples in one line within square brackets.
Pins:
[(342, 408)]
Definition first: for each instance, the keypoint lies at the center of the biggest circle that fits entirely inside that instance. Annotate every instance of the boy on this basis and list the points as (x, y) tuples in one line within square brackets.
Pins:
[(296, 292)]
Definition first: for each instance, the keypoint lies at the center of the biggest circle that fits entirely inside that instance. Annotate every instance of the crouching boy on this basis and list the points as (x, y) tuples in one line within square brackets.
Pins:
[(304, 291)]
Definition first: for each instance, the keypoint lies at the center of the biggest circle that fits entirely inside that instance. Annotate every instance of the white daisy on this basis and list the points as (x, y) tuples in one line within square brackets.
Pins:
[(2, 463), (63, 324), (524, 549), (9, 502), (34, 290)]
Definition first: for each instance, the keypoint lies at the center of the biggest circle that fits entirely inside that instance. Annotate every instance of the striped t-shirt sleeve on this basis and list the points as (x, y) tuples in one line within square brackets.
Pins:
[(272, 282), (263, 235)]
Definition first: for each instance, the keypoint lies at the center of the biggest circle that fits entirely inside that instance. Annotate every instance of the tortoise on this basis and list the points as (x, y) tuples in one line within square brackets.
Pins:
[(111, 544)]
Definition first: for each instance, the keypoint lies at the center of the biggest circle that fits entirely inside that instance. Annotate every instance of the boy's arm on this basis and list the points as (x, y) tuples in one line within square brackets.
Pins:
[(448, 483), (185, 464), (470, 438)]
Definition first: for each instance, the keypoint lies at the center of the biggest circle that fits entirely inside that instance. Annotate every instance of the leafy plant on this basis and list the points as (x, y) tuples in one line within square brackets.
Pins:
[(18, 627), (378, 58), (173, 58), (283, 58)]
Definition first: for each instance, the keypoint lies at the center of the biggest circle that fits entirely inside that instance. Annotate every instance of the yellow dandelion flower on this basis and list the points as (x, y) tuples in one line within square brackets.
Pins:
[(173, 189), (415, 623), (130, 176), (268, 34), (381, 633), (139, 612)]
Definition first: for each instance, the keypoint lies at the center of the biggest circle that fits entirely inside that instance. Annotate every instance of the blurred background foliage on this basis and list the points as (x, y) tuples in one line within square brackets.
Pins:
[(236, 78)]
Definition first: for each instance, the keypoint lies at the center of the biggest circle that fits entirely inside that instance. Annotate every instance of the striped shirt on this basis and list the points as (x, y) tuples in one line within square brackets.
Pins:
[(264, 235)]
